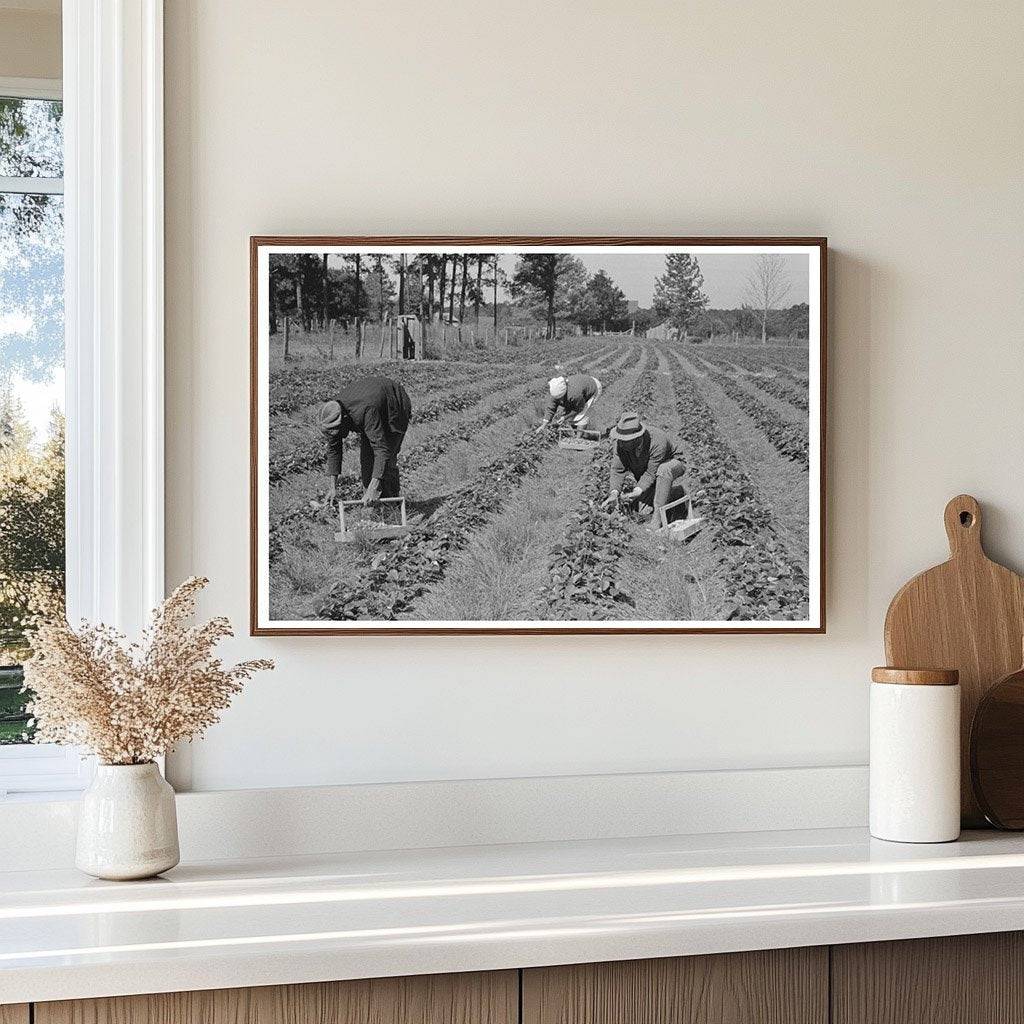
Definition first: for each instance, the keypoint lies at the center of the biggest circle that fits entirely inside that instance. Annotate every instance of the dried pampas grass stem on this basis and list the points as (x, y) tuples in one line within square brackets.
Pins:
[(129, 703)]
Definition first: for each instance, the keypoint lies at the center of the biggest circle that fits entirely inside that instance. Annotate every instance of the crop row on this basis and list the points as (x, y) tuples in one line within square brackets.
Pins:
[(293, 389), (783, 389), (798, 377), (787, 438), (761, 579), (791, 358), (401, 572), (296, 387), (783, 382), (567, 351), (583, 568)]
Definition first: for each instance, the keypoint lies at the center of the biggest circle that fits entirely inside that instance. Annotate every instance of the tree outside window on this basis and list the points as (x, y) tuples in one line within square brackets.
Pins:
[(31, 387)]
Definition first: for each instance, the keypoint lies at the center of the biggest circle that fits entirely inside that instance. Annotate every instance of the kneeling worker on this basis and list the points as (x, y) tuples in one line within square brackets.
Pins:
[(656, 462), (379, 409), (571, 396)]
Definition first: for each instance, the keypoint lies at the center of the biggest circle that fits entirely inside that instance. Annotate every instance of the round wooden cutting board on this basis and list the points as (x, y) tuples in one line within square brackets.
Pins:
[(997, 752), (967, 614)]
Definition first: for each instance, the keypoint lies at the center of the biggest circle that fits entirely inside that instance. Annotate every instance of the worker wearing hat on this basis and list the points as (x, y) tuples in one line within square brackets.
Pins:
[(379, 410), (656, 461), (571, 396)]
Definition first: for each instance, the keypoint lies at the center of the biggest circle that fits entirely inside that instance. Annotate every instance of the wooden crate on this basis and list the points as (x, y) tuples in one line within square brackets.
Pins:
[(349, 529), (567, 438), (680, 529)]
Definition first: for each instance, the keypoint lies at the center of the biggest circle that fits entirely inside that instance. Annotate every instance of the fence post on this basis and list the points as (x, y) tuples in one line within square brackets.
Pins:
[(330, 328), (506, 337), (287, 321)]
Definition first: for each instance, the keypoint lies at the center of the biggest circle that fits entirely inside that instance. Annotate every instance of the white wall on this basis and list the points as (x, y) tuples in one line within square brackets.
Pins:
[(895, 129), (30, 39)]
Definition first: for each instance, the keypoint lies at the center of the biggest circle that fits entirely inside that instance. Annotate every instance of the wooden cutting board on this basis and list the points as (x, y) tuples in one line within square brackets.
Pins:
[(967, 614), (997, 752)]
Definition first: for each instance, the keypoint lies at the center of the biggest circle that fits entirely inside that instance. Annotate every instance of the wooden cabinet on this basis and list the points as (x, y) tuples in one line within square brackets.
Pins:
[(491, 998), (971, 979), (778, 986), (963, 979)]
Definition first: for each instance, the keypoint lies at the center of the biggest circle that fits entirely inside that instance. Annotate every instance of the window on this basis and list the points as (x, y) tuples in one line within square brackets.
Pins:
[(32, 513), (105, 217)]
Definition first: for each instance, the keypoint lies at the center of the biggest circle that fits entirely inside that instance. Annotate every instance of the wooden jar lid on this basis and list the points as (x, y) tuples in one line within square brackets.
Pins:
[(916, 676)]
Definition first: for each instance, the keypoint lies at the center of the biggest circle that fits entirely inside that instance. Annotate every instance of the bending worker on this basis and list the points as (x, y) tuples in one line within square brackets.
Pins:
[(571, 396), (379, 409), (656, 462)]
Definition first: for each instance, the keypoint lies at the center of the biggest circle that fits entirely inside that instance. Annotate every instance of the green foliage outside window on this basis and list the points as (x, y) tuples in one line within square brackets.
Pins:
[(31, 356)]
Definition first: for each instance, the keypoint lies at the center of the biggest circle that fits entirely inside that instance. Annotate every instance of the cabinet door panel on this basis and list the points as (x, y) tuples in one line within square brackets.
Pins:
[(961, 979), (779, 986), (14, 1013), (482, 998)]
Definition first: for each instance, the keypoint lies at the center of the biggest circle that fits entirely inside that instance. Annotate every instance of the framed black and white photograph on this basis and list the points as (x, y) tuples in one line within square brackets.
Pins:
[(537, 435)]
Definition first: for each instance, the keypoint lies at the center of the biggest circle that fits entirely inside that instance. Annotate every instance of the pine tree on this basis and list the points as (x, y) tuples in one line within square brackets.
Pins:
[(15, 429), (679, 294)]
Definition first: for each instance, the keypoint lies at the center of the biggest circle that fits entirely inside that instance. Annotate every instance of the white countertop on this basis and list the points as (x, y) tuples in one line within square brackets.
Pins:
[(262, 922)]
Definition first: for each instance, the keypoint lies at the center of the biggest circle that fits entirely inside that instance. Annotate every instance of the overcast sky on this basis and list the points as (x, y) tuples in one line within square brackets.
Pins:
[(725, 276)]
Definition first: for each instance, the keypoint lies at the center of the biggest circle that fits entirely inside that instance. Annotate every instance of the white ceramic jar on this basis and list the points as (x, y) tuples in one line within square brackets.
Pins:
[(127, 824), (915, 755)]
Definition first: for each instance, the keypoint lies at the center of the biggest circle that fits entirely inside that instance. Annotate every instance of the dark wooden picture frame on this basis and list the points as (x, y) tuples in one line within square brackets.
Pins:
[(816, 624)]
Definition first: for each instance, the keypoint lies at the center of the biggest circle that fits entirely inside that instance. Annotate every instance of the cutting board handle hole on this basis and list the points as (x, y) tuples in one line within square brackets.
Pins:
[(962, 517)]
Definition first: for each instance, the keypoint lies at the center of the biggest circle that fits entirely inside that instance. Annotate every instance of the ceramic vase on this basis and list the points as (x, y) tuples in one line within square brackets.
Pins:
[(127, 825)]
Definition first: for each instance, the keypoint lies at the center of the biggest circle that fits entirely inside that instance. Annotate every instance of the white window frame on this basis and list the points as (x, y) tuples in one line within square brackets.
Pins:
[(31, 89), (114, 325)]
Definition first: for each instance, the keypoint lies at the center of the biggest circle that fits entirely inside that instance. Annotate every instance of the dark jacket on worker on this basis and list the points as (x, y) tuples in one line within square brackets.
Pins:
[(379, 409), (642, 457), (580, 389)]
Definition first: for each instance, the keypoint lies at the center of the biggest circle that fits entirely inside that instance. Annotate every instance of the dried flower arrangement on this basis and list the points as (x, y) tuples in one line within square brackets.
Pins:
[(129, 703)]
